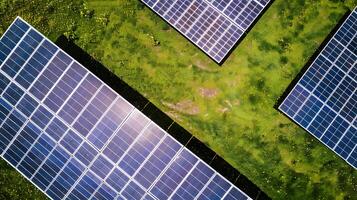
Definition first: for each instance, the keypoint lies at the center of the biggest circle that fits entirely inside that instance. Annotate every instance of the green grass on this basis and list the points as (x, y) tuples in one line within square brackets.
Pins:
[(230, 108)]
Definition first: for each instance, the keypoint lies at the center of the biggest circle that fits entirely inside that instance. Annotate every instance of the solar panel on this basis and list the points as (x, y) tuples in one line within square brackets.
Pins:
[(74, 137), (214, 26), (324, 101)]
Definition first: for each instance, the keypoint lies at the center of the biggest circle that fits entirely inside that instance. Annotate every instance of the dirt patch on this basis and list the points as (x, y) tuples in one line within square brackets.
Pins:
[(186, 107), (229, 105), (203, 66), (208, 92), (236, 102), (223, 110), (174, 115)]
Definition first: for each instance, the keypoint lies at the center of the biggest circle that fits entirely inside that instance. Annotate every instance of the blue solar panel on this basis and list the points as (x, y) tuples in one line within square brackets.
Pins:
[(324, 101), (215, 26), (75, 138)]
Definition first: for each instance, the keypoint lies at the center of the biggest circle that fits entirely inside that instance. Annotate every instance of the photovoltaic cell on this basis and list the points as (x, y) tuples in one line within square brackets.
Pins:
[(324, 101), (75, 138), (215, 26), (194, 182)]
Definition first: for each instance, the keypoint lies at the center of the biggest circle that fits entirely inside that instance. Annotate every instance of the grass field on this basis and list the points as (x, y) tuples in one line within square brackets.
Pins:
[(230, 108)]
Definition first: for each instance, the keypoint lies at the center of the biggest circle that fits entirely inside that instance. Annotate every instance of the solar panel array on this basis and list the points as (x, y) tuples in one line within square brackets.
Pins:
[(324, 101), (215, 26), (74, 137)]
